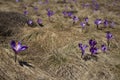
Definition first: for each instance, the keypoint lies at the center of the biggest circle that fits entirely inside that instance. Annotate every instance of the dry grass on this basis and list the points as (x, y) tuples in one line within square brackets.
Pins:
[(53, 52)]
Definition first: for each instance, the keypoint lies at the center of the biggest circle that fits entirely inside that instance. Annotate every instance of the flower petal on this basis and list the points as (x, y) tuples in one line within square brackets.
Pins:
[(24, 47), (13, 44)]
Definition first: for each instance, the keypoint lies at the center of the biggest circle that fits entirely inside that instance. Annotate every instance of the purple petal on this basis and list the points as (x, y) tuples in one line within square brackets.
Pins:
[(80, 45), (13, 44), (24, 47), (86, 19), (30, 22), (82, 24), (84, 47)]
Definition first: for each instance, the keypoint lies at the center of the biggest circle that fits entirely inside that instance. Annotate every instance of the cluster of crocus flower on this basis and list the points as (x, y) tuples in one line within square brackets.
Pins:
[(17, 47), (93, 49), (105, 22), (67, 14), (95, 5)]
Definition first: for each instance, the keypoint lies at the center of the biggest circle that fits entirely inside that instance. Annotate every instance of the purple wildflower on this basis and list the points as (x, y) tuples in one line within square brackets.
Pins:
[(98, 22), (17, 0), (86, 21), (82, 25), (25, 12), (106, 23), (17, 47), (69, 14), (50, 13), (75, 19), (30, 23), (92, 42), (39, 21), (104, 48), (109, 37), (64, 13), (82, 47), (93, 50), (95, 5)]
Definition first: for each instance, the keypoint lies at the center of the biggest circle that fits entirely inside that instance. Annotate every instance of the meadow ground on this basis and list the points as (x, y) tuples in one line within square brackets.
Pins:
[(53, 52)]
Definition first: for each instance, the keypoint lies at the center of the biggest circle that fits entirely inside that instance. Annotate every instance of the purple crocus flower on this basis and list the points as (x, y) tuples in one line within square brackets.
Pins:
[(92, 42), (93, 50), (30, 22), (69, 14), (82, 25), (17, 47), (95, 5), (109, 37), (17, 0), (25, 12), (39, 21), (75, 19), (82, 47), (50, 13), (106, 23), (86, 21), (98, 22), (104, 48), (64, 13)]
